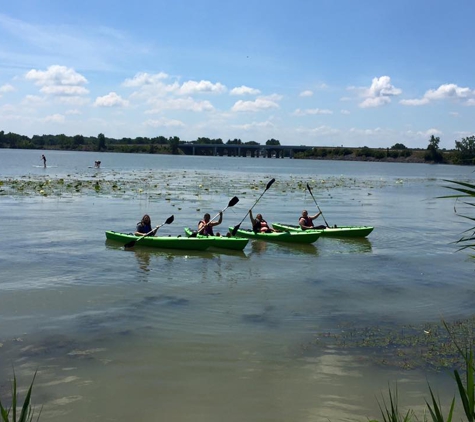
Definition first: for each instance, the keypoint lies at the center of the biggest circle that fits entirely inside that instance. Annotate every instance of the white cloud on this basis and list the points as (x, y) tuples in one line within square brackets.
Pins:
[(379, 93), (111, 100), (59, 81), (346, 112), (311, 112), (443, 92), (33, 100), (448, 91), (194, 87), (320, 130), (415, 102), (74, 101), (73, 112), (254, 125), (59, 90), (423, 134), (163, 122), (470, 102), (54, 118), (257, 105), (244, 90), (6, 88), (56, 75), (375, 102), (188, 104), (141, 79), (306, 93)]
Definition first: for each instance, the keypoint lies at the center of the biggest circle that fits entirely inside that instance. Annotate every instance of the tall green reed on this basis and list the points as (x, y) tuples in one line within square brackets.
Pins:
[(26, 413)]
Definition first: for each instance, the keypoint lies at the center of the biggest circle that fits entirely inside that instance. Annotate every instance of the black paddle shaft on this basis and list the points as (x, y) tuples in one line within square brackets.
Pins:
[(310, 190), (236, 227)]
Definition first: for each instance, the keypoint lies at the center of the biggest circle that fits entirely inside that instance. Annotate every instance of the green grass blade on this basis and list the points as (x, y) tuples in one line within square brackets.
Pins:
[(463, 396)]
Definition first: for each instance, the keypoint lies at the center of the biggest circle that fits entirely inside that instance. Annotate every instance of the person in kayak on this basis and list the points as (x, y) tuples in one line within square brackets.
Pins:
[(306, 221), (259, 225), (205, 226), (144, 227)]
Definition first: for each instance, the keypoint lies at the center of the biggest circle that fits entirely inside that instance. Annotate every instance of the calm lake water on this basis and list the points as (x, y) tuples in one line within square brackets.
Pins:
[(149, 335)]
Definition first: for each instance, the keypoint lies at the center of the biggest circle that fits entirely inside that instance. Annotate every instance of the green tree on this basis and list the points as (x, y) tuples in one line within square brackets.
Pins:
[(398, 146), (273, 142), (174, 143), (101, 142), (78, 140), (433, 153), (466, 150)]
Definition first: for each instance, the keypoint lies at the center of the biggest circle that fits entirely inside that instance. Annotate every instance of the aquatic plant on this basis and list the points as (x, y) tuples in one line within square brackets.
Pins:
[(466, 190), (466, 391), (27, 412)]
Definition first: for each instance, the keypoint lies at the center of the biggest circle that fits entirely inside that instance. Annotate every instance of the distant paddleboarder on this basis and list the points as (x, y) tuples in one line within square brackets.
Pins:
[(97, 164), (44, 160)]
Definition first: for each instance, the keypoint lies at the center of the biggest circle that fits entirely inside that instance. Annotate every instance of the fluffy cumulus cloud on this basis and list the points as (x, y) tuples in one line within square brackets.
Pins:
[(379, 93), (111, 100), (144, 79), (311, 112), (443, 92), (259, 104), (58, 81), (195, 87), (244, 90)]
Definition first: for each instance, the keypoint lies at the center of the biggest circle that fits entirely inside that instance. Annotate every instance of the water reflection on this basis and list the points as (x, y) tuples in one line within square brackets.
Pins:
[(357, 245), (345, 245), (169, 254), (259, 247)]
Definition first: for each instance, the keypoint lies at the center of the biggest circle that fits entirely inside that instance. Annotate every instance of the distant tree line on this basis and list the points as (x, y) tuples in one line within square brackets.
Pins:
[(463, 153)]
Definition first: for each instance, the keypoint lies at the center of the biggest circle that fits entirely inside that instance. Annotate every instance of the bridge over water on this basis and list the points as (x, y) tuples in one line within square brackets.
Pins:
[(243, 150)]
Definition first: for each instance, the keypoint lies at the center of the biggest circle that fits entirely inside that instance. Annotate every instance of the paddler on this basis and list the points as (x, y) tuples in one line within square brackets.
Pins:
[(259, 225), (306, 221), (205, 226)]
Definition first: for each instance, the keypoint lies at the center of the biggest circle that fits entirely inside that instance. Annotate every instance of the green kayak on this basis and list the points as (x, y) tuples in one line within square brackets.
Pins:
[(222, 242), (340, 231), (287, 237), (162, 242)]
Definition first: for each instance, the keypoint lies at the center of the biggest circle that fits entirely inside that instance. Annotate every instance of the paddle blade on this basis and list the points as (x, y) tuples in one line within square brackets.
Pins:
[(131, 244), (270, 184), (170, 219), (235, 229), (310, 190), (233, 201)]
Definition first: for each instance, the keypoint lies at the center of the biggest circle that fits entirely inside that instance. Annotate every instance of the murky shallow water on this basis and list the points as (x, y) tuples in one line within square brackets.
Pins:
[(203, 336)]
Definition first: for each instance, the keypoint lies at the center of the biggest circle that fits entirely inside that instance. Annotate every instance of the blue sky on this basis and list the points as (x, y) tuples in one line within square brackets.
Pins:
[(309, 72)]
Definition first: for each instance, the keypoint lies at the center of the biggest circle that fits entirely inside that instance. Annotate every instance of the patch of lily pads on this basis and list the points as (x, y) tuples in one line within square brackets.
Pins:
[(431, 346), (168, 184)]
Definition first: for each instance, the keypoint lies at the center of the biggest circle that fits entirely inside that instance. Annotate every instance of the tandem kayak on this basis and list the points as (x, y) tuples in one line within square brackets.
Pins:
[(287, 237), (340, 231), (222, 242), (163, 242)]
